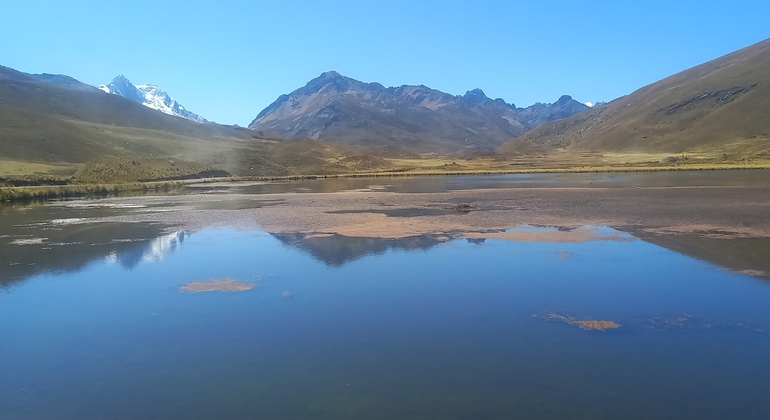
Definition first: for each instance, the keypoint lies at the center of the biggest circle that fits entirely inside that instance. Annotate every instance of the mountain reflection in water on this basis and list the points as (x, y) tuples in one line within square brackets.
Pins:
[(152, 251), (441, 325), (336, 250), (72, 248)]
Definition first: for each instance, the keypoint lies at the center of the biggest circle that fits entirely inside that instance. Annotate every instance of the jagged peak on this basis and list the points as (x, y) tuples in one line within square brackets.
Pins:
[(331, 74), (475, 96), (121, 78), (501, 101), (476, 92), (331, 77)]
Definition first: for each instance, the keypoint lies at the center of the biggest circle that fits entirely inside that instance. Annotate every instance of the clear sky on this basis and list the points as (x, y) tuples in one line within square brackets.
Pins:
[(228, 60)]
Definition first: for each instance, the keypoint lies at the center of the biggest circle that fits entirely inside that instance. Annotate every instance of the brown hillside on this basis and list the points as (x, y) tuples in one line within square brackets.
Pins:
[(54, 127), (722, 106)]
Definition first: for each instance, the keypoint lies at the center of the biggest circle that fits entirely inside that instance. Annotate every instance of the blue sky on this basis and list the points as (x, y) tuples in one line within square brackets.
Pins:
[(227, 60)]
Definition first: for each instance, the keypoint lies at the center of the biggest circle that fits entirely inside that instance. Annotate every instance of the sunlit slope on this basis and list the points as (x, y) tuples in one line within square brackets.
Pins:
[(58, 119), (73, 127), (722, 106)]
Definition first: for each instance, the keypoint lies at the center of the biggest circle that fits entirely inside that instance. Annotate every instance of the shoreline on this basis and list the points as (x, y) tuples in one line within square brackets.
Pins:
[(45, 192), (726, 225)]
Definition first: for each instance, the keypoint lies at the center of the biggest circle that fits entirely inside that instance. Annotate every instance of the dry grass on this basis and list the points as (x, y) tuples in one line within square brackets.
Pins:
[(43, 192), (114, 169), (15, 168), (564, 162)]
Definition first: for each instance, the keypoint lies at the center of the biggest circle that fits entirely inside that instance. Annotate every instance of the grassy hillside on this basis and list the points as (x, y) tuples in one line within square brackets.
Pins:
[(54, 129), (719, 108)]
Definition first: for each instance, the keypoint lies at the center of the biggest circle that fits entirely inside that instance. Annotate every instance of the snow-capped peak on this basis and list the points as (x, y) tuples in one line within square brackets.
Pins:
[(150, 96), (594, 104)]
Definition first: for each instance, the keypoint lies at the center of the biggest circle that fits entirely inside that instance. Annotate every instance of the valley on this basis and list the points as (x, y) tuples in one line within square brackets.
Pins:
[(59, 136), (389, 210)]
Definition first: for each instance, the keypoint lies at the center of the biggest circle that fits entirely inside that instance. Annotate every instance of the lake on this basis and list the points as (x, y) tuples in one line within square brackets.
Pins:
[(113, 308)]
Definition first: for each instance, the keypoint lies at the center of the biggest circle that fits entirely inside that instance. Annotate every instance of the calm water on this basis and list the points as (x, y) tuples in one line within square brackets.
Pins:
[(339, 327), (426, 184)]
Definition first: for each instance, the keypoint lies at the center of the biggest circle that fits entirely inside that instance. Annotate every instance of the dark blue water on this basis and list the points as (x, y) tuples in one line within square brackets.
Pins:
[(450, 329)]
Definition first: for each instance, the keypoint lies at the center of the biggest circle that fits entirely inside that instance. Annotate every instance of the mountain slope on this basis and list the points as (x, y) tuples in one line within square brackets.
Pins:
[(150, 96), (58, 126), (338, 108), (719, 107), (72, 121)]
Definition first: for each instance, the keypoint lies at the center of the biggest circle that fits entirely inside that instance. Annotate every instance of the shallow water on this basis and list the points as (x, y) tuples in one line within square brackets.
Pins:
[(93, 324)]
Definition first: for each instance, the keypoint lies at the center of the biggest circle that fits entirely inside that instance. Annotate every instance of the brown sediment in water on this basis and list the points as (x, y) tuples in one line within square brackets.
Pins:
[(727, 212), (586, 324), (581, 234), (678, 218), (218, 285)]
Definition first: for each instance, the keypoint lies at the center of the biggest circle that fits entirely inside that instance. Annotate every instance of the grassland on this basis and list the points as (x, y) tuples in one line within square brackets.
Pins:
[(307, 158), (565, 162)]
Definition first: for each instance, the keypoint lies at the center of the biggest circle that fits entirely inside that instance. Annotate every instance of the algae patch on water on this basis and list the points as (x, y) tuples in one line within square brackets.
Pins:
[(586, 324), (217, 285)]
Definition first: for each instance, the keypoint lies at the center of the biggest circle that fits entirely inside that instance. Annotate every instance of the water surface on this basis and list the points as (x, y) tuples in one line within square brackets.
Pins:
[(428, 184), (449, 330), (94, 323)]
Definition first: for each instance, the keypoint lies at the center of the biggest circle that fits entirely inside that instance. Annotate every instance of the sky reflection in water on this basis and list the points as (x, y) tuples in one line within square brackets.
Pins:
[(426, 326)]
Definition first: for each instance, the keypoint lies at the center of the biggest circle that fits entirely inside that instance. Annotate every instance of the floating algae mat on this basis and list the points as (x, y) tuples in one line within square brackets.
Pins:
[(327, 326)]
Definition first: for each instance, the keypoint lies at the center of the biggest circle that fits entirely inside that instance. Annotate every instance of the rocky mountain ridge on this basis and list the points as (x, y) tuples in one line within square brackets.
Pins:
[(414, 117)]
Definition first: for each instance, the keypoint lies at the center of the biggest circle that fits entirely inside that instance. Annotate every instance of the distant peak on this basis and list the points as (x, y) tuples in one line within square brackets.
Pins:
[(330, 77), (475, 96), (564, 99), (121, 80), (338, 81), (330, 74)]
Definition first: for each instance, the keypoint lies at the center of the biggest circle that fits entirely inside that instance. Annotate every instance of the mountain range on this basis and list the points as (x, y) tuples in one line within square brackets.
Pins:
[(150, 96), (417, 118), (54, 128)]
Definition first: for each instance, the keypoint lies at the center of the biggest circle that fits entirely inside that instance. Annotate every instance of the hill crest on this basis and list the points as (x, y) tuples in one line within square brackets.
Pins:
[(718, 107)]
